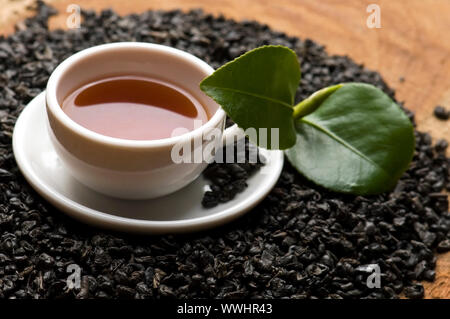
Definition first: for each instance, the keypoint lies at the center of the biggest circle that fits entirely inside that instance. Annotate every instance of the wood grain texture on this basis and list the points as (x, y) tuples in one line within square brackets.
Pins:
[(412, 44)]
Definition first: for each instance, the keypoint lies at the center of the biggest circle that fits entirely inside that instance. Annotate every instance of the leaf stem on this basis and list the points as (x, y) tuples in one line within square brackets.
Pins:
[(311, 103)]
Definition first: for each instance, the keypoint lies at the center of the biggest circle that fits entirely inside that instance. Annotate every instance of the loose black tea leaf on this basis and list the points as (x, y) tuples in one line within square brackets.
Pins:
[(441, 113), (300, 242)]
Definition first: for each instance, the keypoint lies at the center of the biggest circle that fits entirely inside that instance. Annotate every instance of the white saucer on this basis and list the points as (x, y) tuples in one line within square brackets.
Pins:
[(179, 212)]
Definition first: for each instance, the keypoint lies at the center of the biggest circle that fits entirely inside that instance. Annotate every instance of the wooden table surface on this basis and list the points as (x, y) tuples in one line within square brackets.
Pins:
[(411, 49)]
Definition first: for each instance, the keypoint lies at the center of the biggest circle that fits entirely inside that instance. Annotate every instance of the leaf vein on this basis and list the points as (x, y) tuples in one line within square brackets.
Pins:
[(253, 95), (344, 143)]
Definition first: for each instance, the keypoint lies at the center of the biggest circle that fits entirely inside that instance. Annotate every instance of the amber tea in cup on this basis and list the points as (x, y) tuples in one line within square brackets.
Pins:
[(133, 107)]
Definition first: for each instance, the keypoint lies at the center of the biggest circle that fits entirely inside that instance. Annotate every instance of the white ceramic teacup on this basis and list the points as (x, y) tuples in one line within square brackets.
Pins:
[(118, 167)]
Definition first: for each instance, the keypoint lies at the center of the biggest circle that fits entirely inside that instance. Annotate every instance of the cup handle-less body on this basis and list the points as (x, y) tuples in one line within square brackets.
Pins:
[(122, 168)]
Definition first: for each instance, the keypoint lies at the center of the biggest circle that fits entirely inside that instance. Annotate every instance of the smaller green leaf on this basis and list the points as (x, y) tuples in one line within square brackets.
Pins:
[(311, 103), (257, 90), (357, 141)]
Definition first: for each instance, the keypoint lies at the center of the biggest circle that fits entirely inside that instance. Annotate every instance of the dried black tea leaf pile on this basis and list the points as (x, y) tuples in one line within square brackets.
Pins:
[(229, 179), (300, 242)]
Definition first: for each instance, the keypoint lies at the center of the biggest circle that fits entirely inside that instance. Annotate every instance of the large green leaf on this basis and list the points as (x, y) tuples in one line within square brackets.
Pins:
[(257, 90), (357, 141)]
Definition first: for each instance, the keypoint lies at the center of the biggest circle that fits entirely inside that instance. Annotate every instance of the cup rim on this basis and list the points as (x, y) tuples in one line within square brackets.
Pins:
[(61, 116)]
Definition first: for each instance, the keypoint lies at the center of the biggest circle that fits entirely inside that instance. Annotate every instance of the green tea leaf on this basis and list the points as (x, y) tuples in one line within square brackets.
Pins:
[(357, 141), (257, 90), (312, 103)]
